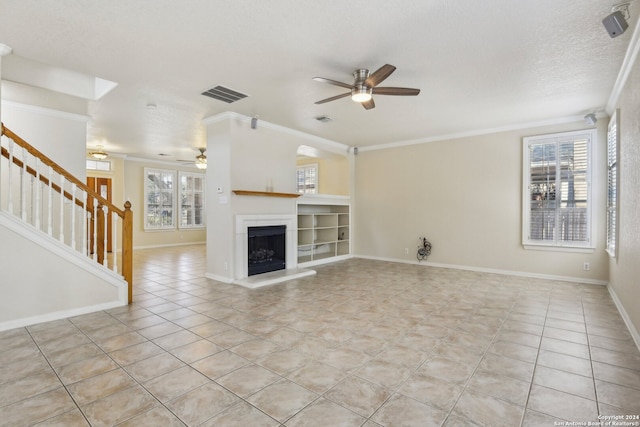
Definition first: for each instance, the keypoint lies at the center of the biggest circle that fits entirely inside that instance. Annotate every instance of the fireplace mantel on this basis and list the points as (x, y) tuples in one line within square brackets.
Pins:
[(266, 194)]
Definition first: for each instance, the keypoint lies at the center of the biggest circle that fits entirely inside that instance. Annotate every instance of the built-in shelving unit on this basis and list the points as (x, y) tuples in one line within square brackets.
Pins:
[(323, 233)]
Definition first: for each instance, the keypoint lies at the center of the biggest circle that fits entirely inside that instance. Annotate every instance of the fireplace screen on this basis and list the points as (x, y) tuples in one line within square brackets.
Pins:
[(266, 249)]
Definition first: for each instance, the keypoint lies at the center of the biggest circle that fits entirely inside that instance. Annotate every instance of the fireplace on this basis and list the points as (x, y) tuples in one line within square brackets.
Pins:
[(266, 249)]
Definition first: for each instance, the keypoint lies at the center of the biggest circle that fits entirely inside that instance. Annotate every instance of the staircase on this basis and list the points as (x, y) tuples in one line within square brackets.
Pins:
[(41, 201)]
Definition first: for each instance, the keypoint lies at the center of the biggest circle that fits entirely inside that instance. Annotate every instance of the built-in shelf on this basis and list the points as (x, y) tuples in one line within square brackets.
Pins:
[(266, 194), (323, 233)]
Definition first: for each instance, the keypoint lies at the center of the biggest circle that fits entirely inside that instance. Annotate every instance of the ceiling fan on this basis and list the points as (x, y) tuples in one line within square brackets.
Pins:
[(201, 160), (365, 85)]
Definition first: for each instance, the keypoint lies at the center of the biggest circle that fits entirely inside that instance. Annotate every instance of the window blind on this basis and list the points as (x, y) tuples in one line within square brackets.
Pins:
[(557, 209)]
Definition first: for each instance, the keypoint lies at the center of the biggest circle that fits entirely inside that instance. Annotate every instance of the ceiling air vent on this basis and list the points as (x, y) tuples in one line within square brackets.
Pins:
[(224, 94)]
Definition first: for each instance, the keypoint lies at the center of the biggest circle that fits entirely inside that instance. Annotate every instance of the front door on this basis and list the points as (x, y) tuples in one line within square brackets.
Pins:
[(102, 186)]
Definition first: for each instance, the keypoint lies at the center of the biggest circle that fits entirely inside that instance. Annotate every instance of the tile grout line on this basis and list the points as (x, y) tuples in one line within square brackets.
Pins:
[(535, 363)]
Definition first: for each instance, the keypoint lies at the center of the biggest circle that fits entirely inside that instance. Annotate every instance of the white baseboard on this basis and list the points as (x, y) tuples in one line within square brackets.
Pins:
[(627, 320), (324, 261), (219, 278), (492, 270), (63, 314), (169, 245)]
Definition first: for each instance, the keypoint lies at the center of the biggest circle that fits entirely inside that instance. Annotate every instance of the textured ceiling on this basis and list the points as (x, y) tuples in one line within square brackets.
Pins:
[(479, 64)]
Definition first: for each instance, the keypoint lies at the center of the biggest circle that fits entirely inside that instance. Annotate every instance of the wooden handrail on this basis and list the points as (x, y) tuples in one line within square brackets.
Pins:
[(59, 169), (31, 171), (126, 214)]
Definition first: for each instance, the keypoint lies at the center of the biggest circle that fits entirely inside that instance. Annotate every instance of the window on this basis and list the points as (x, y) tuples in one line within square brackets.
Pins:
[(556, 202), (307, 179), (612, 183), (159, 194), (98, 165), (191, 200)]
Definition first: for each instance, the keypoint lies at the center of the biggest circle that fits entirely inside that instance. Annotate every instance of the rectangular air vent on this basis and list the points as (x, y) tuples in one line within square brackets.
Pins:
[(224, 94)]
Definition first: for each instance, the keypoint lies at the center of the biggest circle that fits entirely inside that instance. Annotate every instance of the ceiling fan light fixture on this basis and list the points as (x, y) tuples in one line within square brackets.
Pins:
[(201, 160), (361, 94), (99, 154)]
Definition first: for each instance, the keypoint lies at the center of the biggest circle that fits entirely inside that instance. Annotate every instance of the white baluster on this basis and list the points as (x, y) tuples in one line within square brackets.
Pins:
[(94, 248), (10, 176), (23, 186), (62, 180), (50, 203), (114, 248), (37, 190), (73, 216), (105, 213), (85, 224)]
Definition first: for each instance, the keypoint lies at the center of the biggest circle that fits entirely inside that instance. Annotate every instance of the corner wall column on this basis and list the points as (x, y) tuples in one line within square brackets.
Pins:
[(4, 50)]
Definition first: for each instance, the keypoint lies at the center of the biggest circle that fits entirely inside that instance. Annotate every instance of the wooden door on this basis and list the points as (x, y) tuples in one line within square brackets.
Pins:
[(102, 186)]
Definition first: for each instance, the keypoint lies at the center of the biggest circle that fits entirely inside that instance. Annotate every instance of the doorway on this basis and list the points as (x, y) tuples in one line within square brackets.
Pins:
[(102, 186)]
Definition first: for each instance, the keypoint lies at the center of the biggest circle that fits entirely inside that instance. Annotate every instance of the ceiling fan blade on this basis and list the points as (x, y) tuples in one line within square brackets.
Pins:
[(379, 75), (332, 82), (402, 91), (333, 98), (368, 105)]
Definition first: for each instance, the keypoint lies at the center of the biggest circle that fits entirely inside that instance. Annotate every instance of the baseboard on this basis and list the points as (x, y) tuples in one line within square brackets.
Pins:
[(169, 245), (57, 315), (218, 278), (491, 270), (324, 261), (627, 320)]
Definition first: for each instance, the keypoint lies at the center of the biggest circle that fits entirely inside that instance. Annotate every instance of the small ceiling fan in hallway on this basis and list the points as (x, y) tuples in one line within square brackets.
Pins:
[(365, 86)]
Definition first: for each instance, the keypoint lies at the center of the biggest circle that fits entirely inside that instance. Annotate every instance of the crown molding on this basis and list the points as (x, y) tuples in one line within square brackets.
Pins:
[(327, 144), (627, 65), (477, 132), (46, 111)]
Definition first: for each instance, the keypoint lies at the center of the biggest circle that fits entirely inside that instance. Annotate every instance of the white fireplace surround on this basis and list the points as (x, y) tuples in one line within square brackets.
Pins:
[(243, 222)]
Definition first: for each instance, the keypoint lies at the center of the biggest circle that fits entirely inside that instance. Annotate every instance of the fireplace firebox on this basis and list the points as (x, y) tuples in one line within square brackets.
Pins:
[(266, 249)]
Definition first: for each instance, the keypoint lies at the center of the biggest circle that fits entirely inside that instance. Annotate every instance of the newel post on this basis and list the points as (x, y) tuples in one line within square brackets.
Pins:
[(127, 247)]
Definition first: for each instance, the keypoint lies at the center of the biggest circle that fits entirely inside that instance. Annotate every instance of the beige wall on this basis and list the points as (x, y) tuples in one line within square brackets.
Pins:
[(625, 270), (333, 173), (464, 195), (133, 175)]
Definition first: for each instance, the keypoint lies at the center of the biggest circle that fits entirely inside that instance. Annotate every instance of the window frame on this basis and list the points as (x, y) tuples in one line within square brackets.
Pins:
[(162, 227), (305, 168), (179, 189), (557, 244), (613, 180), (97, 162)]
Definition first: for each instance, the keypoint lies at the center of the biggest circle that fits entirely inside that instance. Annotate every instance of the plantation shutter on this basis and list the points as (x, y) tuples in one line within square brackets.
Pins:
[(557, 212)]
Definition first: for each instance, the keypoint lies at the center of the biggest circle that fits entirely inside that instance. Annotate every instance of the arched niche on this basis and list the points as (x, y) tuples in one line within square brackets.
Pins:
[(332, 170)]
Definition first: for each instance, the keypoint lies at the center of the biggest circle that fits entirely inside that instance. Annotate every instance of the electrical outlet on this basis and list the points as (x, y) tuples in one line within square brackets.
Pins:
[(586, 266), (406, 251), (226, 266)]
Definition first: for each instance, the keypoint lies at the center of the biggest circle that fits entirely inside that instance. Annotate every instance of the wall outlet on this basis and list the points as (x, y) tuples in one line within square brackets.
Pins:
[(586, 266), (406, 251), (226, 266)]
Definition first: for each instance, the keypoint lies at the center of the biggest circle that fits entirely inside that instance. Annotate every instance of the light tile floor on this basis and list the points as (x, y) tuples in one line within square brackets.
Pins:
[(363, 343)]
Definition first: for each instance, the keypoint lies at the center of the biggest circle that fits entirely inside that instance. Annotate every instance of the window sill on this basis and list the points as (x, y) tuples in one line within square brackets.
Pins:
[(574, 249)]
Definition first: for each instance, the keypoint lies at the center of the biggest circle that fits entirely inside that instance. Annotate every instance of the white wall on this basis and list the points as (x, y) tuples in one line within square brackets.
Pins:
[(464, 195), (625, 270), (241, 158), (61, 130), (60, 286)]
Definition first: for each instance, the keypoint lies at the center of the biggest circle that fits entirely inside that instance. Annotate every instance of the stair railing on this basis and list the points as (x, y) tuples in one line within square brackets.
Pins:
[(40, 192)]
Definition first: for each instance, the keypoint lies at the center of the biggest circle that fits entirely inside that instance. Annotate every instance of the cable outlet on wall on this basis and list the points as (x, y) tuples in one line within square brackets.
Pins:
[(406, 251), (586, 266)]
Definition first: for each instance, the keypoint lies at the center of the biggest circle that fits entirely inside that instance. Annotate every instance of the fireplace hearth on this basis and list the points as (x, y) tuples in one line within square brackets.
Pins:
[(266, 249)]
